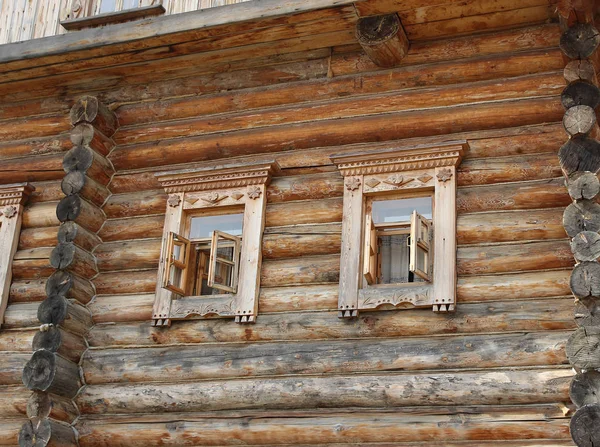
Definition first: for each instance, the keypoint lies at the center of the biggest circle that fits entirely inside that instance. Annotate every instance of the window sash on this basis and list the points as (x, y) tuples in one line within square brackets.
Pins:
[(420, 235), (180, 262), (217, 238)]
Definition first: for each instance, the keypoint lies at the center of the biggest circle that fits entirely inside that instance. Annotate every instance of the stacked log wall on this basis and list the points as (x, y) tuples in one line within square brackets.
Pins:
[(492, 373)]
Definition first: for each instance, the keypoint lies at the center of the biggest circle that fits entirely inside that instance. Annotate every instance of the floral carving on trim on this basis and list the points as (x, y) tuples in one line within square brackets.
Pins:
[(214, 197), (174, 200), (444, 175), (254, 192), (10, 211), (352, 183)]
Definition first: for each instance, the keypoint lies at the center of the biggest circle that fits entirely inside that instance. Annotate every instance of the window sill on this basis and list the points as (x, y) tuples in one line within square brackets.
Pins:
[(111, 18)]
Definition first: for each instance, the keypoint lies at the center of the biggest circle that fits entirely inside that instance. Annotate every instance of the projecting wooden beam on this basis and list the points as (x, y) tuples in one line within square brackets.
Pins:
[(383, 39)]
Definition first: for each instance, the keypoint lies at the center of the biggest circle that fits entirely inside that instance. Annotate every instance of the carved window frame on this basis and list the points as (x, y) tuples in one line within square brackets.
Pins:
[(214, 188), (392, 171), (12, 200)]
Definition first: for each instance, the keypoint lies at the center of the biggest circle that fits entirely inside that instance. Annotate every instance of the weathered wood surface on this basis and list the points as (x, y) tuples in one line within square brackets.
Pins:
[(12, 366), (44, 431), (390, 390), (585, 388), (582, 348), (584, 425), (47, 371), (16, 340), (43, 404), (55, 339), (324, 428), (330, 357), (583, 215), (583, 185), (587, 312), (133, 312)]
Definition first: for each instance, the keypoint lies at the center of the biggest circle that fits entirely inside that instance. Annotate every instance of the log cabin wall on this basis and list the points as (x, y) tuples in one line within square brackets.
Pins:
[(492, 373)]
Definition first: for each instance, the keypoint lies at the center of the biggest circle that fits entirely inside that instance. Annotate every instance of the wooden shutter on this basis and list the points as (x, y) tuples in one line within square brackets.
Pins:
[(176, 265), (370, 251), (419, 246), (223, 270)]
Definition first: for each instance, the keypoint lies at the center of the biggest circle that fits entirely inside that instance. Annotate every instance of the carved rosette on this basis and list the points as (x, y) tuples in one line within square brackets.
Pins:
[(444, 175), (254, 192), (174, 200), (10, 211), (353, 183)]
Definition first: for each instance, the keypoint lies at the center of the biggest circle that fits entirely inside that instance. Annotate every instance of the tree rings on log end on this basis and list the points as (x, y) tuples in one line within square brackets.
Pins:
[(82, 134), (583, 185), (39, 371), (73, 183), (580, 154), (84, 110), (583, 348), (49, 340), (578, 121), (62, 255), (59, 283), (383, 39), (585, 388), (581, 216), (580, 41), (585, 280), (585, 426), (80, 158), (68, 208), (586, 246), (36, 432), (580, 70), (580, 93), (53, 310), (587, 312)]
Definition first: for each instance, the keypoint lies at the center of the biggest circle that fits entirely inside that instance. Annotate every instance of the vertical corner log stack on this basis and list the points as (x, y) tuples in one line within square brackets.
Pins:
[(580, 162), (53, 372)]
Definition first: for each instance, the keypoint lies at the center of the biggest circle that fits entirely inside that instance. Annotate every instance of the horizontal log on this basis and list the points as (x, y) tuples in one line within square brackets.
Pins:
[(77, 182), (506, 258), (46, 431), (339, 131), (580, 41), (9, 431), (69, 257), (583, 428), (48, 191), (141, 254), (514, 286), (319, 429), (47, 371), (36, 290), (530, 315), (392, 390), (20, 148), (304, 270), (583, 215), (136, 204), (582, 348), (308, 243), (526, 195), (587, 312), (503, 65), (516, 141), (11, 367), (32, 169), (33, 263), (84, 134), (178, 363), (74, 208), (583, 185), (347, 108), (304, 212), (13, 401), (89, 109), (132, 228), (40, 215), (585, 388), (580, 154), (81, 237), (37, 237), (16, 340), (33, 127), (66, 344), (21, 315), (143, 281), (509, 226), (73, 317), (580, 70)]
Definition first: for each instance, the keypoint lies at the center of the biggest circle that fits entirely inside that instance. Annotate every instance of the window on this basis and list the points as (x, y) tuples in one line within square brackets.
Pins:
[(12, 199), (398, 229), (212, 243)]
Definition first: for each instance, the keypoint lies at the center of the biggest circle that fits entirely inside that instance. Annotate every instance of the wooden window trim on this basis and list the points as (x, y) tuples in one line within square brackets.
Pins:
[(216, 188), (407, 170), (12, 200)]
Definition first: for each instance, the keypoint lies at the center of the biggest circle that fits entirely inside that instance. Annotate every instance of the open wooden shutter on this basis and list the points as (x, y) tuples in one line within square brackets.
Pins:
[(370, 251), (419, 246), (224, 261), (176, 265)]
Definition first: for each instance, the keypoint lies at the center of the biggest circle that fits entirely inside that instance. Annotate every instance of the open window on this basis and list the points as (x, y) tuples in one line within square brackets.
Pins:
[(399, 228), (211, 255), (397, 241)]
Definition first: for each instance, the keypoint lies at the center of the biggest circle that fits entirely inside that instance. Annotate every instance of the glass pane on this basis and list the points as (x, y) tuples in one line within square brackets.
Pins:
[(128, 4), (175, 275), (422, 263), (107, 6), (224, 274), (224, 252), (423, 232), (385, 211), (394, 255), (203, 226)]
